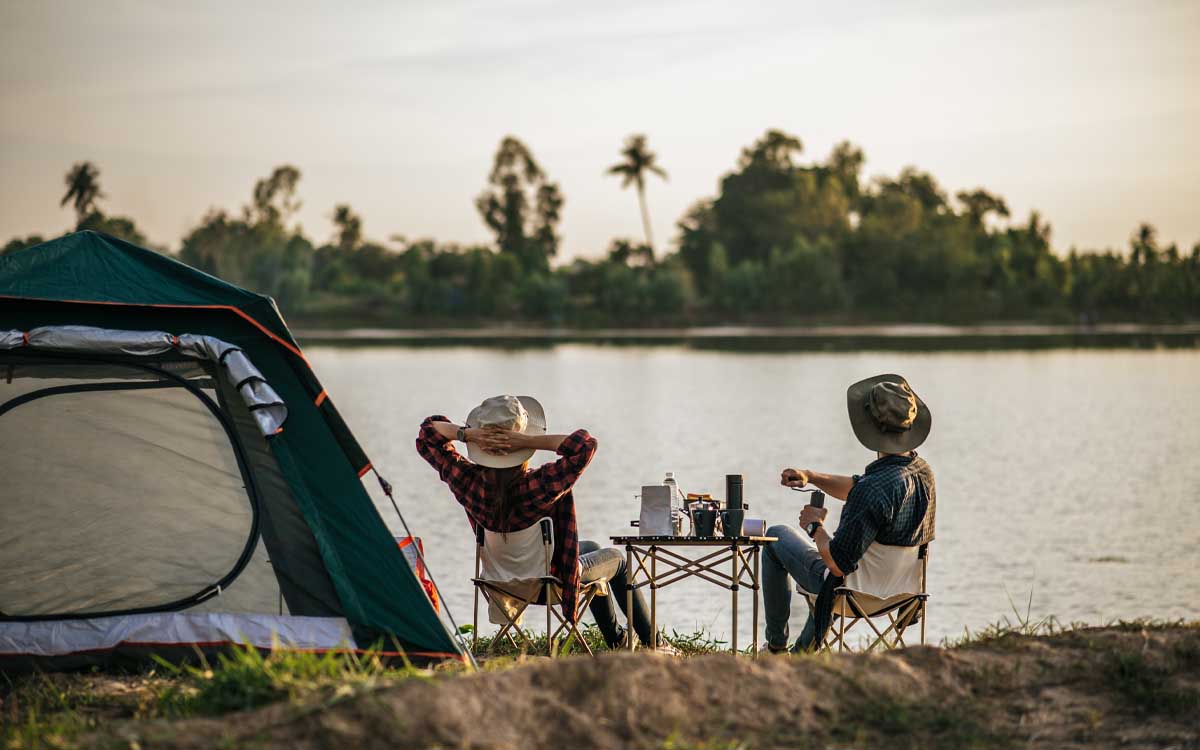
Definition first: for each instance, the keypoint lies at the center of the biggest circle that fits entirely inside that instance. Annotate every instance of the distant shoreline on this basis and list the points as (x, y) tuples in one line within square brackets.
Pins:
[(831, 336)]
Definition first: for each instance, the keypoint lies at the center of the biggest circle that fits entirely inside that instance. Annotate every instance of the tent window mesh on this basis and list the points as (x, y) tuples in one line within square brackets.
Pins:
[(120, 491)]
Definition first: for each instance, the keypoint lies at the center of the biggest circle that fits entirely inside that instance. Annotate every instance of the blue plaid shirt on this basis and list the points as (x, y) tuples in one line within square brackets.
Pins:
[(892, 502)]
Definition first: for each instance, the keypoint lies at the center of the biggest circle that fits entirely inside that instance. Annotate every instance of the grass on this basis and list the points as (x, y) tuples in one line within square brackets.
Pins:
[(883, 720), (1005, 630), (44, 711), (675, 742), (687, 644), (1148, 683), (52, 710), (49, 711), (244, 678), (531, 642)]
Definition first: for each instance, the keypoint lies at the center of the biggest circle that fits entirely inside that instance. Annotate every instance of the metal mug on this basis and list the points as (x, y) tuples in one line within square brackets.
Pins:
[(704, 522), (731, 522)]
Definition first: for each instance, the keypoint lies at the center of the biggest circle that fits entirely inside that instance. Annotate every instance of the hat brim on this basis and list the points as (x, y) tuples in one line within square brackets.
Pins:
[(869, 433), (535, 426)]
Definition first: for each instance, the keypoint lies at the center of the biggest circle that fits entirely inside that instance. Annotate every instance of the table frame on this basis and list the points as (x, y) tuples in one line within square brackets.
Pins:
[(644, 554)]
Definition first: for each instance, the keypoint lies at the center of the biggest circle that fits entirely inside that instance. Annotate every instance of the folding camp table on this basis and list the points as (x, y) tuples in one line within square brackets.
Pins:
[(659, 561)]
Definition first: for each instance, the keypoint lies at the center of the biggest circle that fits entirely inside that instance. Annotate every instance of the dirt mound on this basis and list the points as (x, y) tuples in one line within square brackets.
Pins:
[(1087, 688)]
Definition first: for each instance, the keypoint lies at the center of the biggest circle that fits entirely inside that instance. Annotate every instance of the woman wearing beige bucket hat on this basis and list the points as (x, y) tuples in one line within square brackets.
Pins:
[(893, 502), (500, 493)]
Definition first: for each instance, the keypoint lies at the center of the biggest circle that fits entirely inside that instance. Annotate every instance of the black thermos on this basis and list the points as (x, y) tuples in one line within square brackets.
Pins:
[(818, 501), (733, 492)]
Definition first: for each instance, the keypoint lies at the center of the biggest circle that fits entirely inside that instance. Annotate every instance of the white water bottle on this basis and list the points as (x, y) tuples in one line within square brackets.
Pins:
[(676, 494), (677, 504)]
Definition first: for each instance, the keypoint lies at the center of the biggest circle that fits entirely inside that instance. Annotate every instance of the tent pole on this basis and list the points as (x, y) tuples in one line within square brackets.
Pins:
[(386, 486)]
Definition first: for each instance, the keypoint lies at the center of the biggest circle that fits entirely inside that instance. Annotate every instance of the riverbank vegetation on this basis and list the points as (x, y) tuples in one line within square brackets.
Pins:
[(782, 241), (1132, 684)]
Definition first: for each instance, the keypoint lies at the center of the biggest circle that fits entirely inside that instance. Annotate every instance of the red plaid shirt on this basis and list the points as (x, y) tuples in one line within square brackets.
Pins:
[(543, 492)]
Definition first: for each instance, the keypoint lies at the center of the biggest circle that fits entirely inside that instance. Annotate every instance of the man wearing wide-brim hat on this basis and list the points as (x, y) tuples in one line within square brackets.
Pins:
[(892, 502)]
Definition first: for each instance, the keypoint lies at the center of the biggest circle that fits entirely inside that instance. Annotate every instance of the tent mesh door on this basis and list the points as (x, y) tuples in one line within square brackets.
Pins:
[(121, 491)]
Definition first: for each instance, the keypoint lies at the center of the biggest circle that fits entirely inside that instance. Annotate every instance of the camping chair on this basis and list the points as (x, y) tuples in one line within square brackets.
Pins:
[(890, 581), (512, 573)]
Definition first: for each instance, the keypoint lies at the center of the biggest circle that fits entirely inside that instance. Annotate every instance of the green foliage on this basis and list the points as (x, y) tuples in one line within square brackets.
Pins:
[(521, 206), (257, 250), (121, 227), (699, 643), (780, 242), (1006, 630), (50, 711), (1148, 682), (44, 711), (244, 678), (491, 648), (675, 742), (880, 719), (767, 205), (899, 249), (687, 644), (83, 188), (636, 161), (20, 243)]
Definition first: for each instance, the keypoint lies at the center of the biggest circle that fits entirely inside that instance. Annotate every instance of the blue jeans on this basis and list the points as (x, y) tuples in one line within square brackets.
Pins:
[(610, 563), (794, 555)]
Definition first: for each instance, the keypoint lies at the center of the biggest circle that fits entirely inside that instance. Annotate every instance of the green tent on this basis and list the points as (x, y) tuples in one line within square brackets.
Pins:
[(175, 475)]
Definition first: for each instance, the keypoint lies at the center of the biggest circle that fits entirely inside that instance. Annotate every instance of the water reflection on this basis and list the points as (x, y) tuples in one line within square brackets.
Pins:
[(1063, 474)]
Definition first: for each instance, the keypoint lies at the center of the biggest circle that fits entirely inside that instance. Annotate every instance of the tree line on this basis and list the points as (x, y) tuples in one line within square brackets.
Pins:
[(781, 241)]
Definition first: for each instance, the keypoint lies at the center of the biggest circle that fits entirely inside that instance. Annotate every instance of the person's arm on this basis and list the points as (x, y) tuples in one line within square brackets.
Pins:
[(865, 512), (834, 485), (540, 442), (488, 438), (435, 444), (812, 514), (507, 441), (554, 479)]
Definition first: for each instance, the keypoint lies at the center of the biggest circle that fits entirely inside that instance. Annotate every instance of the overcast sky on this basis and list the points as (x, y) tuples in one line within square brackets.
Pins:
[(1086, 111)]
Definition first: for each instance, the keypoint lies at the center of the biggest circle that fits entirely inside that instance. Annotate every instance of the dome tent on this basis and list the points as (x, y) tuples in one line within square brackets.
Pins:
[(175, 476)]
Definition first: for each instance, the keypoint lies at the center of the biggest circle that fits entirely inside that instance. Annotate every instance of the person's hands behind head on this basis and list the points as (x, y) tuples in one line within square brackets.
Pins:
[(495, 440), (793, 478)]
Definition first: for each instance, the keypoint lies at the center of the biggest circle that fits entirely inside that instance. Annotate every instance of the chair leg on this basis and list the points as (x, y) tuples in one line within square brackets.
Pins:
[(842, 634), (905, 619), (881, 638), (899, 620), (509, 627), (475, 622), (570, 630), (549, 632), (506, 631)]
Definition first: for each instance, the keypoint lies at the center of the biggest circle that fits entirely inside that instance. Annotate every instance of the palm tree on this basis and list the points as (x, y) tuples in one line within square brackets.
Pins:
[(638, 160), (83, 188), (349, 227)]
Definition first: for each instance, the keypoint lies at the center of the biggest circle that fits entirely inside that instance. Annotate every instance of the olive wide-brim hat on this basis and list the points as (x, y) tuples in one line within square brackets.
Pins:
[(516, 413), (887, 416)]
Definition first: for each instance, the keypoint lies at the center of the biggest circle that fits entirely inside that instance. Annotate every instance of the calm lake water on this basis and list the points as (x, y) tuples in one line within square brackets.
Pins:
[(1068, 475)]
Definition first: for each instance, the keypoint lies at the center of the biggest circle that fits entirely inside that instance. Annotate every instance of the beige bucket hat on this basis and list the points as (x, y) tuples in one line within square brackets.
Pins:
[(517, 413), (887, 416)]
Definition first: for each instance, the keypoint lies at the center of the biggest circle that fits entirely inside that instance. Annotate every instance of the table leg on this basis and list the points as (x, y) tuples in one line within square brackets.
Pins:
[(653, 645), (754, 550), (734, 588), (630, 580)]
